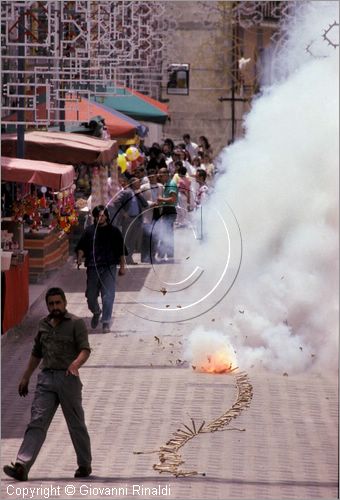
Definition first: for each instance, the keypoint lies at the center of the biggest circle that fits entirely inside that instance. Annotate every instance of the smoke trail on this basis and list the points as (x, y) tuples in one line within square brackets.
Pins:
[(282, 182)]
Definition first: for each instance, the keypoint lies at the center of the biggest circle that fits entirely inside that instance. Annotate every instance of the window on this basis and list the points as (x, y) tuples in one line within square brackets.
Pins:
[(178, 82)]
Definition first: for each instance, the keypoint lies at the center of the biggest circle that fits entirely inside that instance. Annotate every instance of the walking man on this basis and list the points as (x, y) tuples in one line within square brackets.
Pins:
[(203, 190), (190, 146), (62, 346), (167, 203), (102, 246), (150, 191)]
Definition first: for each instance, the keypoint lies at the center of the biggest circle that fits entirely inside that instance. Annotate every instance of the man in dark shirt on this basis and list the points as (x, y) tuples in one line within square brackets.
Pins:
[(102, 245), (167, 204), (62, 346)]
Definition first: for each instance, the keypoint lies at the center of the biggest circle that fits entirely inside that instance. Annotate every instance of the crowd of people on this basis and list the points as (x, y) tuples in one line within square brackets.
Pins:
[(151, 200), (158, 195)]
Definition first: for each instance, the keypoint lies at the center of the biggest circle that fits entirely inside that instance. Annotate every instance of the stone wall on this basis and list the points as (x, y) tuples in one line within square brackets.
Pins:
[(200, 40), (203, 38)]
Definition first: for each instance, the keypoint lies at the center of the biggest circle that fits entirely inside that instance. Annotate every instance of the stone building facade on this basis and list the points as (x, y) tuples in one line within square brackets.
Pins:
[(223, 48)]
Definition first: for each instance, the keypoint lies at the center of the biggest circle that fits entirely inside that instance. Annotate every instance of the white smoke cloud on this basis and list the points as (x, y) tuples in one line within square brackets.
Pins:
[(209, 349), (282, 183)]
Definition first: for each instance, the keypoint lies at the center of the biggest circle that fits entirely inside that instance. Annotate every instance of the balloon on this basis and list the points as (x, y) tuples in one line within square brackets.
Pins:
[(122, 163), (132, 153)]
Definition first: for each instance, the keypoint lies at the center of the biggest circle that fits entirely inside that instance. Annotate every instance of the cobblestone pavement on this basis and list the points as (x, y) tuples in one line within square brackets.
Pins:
[(138, 389)]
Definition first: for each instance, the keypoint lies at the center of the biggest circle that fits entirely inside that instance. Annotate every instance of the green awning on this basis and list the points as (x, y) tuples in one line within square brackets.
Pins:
[(135, 104)]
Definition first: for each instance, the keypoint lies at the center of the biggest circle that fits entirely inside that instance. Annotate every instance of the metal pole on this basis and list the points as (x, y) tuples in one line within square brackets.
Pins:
[(21, 92), (234, 69), (21, 87), (61, 102), (233, 113)]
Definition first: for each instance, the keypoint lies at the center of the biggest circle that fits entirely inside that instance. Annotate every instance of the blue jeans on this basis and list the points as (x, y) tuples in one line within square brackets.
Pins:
[(101, 280)]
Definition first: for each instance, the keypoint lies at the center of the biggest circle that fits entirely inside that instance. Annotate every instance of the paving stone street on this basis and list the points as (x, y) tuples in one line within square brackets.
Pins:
[(139, 389)]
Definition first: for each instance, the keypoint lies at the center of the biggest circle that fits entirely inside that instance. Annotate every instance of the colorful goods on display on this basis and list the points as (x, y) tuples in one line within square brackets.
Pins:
[(27, 210), (130, 160), (31, 209), (132, 153), (65, 213), (122, 163)]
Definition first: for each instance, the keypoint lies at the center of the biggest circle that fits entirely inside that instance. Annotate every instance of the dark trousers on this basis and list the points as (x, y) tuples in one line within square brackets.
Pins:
[(101, 280), (132, 233), (150, 241), (54, 387), (167, 242)]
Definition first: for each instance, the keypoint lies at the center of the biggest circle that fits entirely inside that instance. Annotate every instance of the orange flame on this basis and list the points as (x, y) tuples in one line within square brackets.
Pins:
[(218, 362)]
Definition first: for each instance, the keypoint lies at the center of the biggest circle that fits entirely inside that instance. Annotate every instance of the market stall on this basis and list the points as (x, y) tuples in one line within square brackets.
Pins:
[(94, 161), (63, 147), (37, 214), (93, 158)]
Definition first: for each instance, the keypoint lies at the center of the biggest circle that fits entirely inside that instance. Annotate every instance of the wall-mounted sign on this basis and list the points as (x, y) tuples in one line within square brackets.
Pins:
[(178, 82)]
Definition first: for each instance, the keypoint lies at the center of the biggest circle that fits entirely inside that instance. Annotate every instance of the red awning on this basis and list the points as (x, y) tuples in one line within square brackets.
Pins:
[(62, 147), (53, 175)]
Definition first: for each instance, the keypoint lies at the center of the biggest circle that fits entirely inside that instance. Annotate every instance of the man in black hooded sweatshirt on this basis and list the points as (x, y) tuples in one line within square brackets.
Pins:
[(102, 245)]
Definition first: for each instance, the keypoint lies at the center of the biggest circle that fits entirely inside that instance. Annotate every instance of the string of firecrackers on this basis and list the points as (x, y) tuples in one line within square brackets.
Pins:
[(103, 182), (100, 187), (169, 456), (95, 188), (113, 174)]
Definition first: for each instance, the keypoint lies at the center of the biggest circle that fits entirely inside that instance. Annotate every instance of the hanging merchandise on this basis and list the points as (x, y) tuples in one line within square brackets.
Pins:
[(103, 179), (95, 190), (26, 211), (122, 163), (31, 210), (133, 166), (113, 182), (65, 213), (140, 160)]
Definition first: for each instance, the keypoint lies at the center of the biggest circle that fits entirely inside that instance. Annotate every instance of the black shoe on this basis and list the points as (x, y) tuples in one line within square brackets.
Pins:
[(95, 320), (17, 471), (106, 328), (83, 472)]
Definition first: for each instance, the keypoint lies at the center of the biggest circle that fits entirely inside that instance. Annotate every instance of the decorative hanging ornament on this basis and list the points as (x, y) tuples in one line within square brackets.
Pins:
[(122, 163), (132, 153)]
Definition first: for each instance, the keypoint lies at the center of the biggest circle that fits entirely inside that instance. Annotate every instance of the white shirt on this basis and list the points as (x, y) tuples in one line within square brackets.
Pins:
[(192, 149)]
